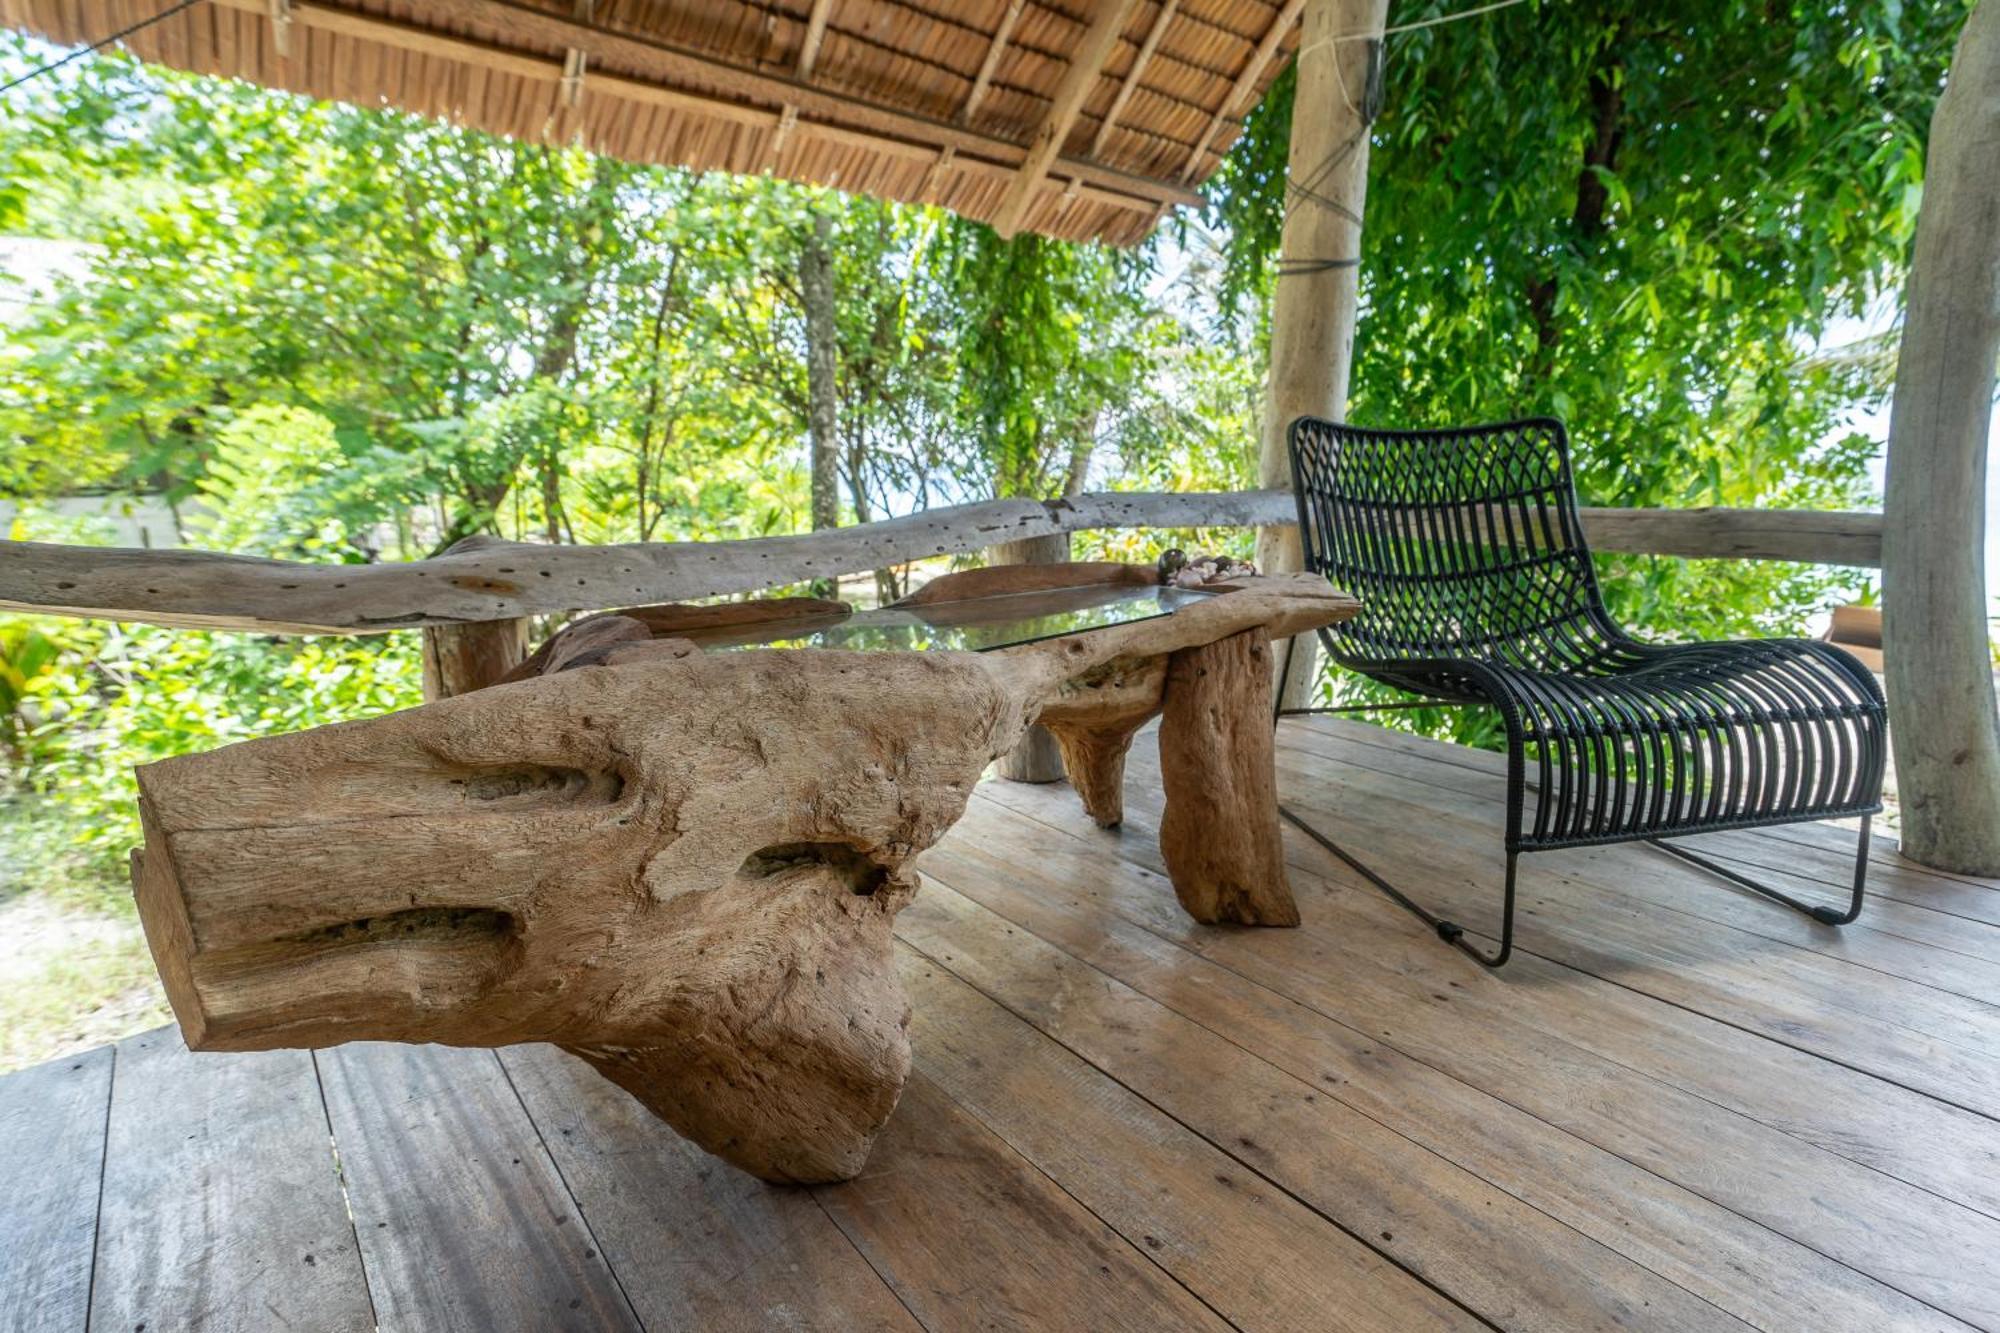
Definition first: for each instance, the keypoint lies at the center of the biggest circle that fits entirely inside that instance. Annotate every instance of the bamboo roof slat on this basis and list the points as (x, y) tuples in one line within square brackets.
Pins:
[(1129, 80), (1258, 70), (1086, 64), (1080, 119)]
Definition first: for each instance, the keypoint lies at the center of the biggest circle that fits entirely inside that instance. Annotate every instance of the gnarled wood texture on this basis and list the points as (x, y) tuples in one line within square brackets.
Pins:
[(1219, 833), (681, 866), (1093, 719)]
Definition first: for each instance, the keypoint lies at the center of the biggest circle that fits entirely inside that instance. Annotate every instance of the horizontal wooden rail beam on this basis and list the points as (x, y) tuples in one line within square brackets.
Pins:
[(1812, 537), (497, 580)]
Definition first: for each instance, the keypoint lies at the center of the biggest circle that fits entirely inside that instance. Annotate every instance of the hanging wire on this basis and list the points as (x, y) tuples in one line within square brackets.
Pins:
[(1442, 18), (96, 46), (1309, 191)]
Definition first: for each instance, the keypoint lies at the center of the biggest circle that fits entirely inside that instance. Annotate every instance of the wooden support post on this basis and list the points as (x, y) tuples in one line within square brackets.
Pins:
[(459, 659), (1218, 767), (1936, 648), (1037, 758), (1312, 317)]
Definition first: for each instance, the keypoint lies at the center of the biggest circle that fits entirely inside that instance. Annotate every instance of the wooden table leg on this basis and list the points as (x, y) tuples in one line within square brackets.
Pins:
[(1219, 835), (1094, 758)]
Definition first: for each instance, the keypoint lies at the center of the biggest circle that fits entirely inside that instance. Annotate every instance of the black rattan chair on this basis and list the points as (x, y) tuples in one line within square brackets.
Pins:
[(1477, 588)]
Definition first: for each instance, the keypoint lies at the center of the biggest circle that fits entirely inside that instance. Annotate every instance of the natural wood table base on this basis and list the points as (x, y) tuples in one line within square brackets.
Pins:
[(1219, 833), (682, 866)]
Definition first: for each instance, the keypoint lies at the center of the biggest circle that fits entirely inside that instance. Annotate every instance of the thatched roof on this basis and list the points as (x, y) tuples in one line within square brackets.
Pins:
[(1075, 118)]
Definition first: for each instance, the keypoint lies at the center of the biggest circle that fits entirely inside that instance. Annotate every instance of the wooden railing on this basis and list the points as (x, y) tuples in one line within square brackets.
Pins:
[(491, 580)]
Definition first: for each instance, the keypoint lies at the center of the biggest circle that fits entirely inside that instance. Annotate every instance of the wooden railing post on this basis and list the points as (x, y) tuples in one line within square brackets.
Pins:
[(1037, 757), (461, 658), (471, 655)]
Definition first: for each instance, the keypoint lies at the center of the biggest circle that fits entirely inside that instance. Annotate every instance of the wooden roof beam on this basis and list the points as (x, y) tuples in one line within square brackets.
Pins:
[(998, 47), (1131, 84), (788, 119), (822, 10), (1077, 81), (1260, 60)]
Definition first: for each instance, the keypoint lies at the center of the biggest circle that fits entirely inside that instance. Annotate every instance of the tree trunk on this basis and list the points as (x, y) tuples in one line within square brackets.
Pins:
[(1937, 654), (822, 388), (647, 478), (1037, 758), (1082, 445), (1312, 316)]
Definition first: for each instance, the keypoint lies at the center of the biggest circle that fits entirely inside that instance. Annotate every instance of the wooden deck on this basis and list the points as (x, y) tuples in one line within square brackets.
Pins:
[(1679, 1108)]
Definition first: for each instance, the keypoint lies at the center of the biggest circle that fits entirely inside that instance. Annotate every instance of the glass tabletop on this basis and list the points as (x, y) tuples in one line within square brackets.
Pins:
[(977, 624)]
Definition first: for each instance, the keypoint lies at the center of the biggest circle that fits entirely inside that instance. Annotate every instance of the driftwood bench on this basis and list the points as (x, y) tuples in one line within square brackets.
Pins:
[(682, 863)]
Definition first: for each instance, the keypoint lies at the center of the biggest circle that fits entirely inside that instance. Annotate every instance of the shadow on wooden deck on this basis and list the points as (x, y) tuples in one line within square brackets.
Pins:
[(1679, 1108)]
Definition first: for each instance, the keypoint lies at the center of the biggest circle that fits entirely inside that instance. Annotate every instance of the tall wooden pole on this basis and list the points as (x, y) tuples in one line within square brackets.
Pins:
[(1938, 657), (822, 381), (1312, 319)]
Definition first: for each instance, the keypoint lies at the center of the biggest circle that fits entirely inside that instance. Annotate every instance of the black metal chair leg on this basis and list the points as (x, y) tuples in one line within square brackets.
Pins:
[(1284, 679), (1824, 915), (1449, 931)]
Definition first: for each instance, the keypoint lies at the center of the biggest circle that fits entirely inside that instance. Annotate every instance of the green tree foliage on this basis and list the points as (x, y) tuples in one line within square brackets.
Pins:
[(1639, 218), (1054, 337), (339, 334), (334, 334)]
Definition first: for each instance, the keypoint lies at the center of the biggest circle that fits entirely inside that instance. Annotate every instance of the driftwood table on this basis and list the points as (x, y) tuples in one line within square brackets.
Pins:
[(679, 857)]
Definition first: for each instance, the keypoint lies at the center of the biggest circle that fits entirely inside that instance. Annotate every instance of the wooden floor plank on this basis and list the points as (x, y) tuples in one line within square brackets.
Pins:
[(1507, 1261), (1949, 913), (464, 1222), (1259, 1258), (1703, 1246), (1823, 852), (1917, 1138), (1835, 841), (222, 1203), (1890, 936), (696, 1244), (1940, 1043), (1632, 879), (972, 1236), (1911, 1136), (1766, 1131), (52, 1119)]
